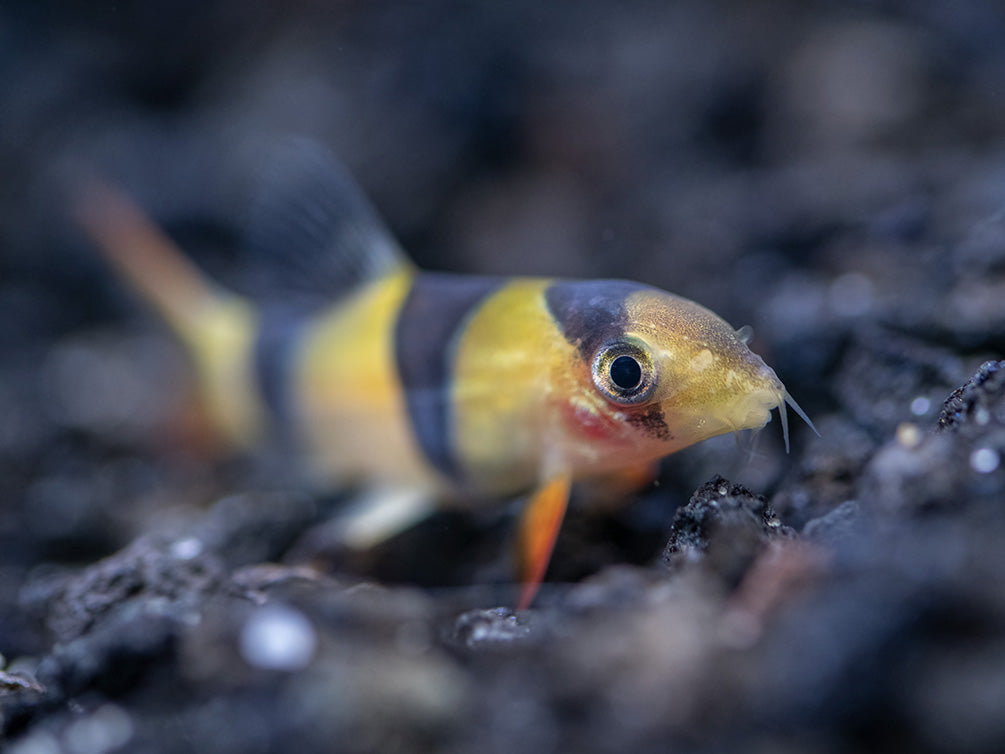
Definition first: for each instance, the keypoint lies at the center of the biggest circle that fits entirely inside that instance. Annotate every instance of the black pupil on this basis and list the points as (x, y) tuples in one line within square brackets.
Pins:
[(626, 372)]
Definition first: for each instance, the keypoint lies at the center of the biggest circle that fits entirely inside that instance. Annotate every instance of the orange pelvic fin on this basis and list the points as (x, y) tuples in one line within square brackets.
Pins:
[(539, 525)]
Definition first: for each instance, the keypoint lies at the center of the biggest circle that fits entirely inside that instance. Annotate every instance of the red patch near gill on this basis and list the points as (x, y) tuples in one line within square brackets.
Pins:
[(593, 425)]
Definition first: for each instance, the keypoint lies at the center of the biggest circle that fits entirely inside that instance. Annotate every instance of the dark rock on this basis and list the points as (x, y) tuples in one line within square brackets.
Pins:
[(615, 585), (499, 628), (21, 695), (959, 466), (888, 622), (18, 683), (883, 373), (115, 654), (915, 472), (843, 524), (723, 526), (173, 577), (980, 401), (255, 527), (828, 472)]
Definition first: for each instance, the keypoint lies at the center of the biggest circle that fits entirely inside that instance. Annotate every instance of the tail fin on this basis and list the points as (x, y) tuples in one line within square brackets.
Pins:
[(217, 327)]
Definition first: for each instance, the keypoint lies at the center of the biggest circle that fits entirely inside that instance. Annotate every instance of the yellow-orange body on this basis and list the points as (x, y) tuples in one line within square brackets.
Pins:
[(342, 428), (467, 389)]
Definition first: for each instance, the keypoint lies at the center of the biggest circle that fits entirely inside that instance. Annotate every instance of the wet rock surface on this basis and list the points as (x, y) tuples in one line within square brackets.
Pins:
[(831, 174), (725, 525)]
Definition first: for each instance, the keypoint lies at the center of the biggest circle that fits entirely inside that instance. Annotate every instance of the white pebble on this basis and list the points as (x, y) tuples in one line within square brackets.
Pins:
[(187, 548), (984, 460), (908, 435), (276, 637), (920, 405)]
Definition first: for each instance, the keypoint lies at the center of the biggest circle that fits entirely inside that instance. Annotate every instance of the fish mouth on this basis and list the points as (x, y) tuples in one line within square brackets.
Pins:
[(753, 410)]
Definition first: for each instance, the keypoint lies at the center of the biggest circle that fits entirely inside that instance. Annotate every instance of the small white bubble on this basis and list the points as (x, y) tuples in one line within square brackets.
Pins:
[(982, 416), (920, 405), (276, 637), (187, 548), (908, 435), (984, 460)]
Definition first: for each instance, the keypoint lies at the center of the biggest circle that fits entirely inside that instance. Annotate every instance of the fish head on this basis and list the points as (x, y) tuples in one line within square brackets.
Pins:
[(658, 372)]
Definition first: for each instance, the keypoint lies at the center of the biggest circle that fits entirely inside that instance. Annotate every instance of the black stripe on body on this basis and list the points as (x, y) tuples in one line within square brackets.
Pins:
[(590, 312), (278, 336), (425, 336)]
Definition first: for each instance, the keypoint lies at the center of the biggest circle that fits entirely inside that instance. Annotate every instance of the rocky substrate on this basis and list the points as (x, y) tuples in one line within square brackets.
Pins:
[(878, 625), (830, 173)]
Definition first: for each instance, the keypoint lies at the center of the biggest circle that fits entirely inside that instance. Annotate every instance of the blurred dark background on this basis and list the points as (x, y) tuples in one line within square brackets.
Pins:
[(831, 173), (662, 140)]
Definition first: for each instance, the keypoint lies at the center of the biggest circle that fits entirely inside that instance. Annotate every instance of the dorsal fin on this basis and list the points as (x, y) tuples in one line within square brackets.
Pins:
[(314, 232)]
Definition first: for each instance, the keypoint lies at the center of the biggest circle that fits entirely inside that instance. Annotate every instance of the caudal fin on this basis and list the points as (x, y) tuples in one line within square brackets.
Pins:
[(217, 327), (145, 257)]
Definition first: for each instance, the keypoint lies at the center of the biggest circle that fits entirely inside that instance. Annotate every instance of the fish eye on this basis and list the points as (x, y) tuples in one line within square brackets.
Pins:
[(623, 371), (626, 372)]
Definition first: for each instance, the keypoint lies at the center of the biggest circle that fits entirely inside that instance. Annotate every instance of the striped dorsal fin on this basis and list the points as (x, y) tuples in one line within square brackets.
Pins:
[(315, 234)]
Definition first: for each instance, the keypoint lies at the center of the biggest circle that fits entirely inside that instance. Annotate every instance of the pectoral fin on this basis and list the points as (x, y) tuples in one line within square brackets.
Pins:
[(381, 513), (539, 525)]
